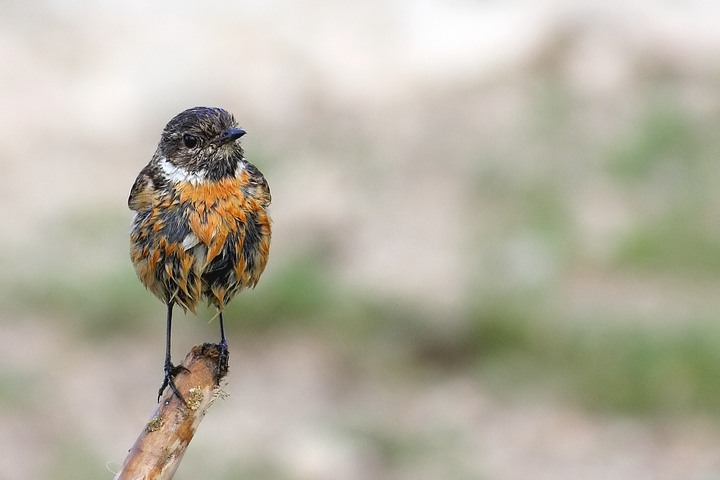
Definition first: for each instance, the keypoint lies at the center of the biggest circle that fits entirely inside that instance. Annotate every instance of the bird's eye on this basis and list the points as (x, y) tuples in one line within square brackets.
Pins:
[(190, 141)]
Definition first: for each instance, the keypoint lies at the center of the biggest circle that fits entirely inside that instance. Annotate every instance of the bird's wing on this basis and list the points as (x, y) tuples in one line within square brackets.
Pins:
[(143, 191), (259, 185)]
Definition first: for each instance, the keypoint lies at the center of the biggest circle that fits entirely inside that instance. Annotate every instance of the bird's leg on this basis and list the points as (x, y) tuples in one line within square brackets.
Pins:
[(170, 370), (223, 352)]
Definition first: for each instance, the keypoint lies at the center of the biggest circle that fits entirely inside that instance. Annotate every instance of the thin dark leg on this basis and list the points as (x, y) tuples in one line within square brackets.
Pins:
[(223, 340), (170, 369), (223, 351)]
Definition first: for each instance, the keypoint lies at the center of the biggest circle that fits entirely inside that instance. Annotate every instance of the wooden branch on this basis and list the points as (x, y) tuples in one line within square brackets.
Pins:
[(160, 447)]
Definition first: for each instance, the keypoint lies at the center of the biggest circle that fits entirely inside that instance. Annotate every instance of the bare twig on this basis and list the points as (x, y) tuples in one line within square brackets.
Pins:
[(160, 447)]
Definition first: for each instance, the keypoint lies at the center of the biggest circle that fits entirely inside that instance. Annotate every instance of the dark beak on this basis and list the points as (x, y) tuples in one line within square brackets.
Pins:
[(230, 135)]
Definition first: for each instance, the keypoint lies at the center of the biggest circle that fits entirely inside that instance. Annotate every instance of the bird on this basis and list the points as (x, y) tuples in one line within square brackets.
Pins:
[(201, 229)]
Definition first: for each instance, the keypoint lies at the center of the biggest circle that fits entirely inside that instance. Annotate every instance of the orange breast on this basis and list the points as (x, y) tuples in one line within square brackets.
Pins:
[(215, 209), (219, 243)]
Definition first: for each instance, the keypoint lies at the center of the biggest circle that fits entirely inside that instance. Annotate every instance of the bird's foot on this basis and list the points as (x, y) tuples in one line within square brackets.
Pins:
[(171, 372), (223, 358)]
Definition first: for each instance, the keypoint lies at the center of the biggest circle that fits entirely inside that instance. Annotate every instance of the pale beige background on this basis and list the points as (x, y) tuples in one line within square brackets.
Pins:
[(425, 158)]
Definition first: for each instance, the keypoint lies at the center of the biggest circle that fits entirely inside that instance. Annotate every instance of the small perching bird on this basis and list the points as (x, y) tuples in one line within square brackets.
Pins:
[(201, 228)]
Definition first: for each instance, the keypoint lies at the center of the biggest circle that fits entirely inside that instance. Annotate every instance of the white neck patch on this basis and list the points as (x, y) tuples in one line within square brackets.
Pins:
[(176, 174)]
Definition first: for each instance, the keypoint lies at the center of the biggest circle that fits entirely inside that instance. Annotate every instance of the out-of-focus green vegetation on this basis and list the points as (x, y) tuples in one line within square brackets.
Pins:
[(513, 334), (672, 157)]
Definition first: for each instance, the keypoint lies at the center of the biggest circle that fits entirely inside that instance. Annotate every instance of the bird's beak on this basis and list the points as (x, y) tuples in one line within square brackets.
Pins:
[(230, 135)]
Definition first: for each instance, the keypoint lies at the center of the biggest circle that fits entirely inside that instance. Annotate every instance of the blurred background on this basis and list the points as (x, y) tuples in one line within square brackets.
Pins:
[(496, 249)]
